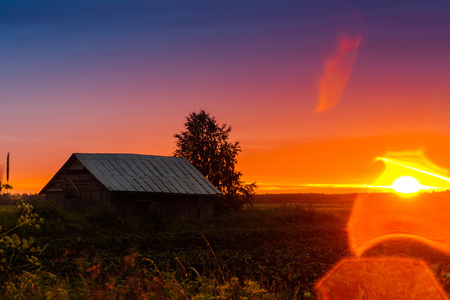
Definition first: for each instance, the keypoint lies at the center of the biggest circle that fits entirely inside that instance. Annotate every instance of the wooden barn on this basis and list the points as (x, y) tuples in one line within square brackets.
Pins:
[(130, 183)]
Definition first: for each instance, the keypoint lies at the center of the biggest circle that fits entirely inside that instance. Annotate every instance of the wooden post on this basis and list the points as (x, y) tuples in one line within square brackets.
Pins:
[(7, 168)]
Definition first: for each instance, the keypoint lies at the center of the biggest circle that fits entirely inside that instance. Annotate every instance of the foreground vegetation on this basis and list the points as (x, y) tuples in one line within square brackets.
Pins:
[(272, 253)]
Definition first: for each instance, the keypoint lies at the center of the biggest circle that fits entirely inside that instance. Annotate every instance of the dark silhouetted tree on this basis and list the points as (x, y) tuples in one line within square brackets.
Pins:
[(206, 145)]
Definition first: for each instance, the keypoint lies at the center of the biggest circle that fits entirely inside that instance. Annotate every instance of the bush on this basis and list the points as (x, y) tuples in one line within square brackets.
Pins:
[(295, 212), (156, 216), (106, 216), (51, 211), (18, 256)]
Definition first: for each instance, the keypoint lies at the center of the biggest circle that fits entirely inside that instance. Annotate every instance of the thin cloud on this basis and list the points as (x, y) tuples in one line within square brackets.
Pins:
[(337, 72)]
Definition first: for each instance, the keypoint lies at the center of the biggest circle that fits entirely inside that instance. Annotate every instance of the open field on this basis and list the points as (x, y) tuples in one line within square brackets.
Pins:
[(270, 251), (316, 206)]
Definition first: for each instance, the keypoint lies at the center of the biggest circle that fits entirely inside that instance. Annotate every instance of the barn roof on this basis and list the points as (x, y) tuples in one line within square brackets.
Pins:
[(144, 173)]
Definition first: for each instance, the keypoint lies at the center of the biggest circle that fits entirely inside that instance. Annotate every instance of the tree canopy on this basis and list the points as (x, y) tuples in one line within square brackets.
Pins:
[(206, 145)]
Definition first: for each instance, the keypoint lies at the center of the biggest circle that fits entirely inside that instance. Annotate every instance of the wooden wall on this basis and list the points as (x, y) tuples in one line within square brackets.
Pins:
[(178, 206), (76, 189), (187, 206)]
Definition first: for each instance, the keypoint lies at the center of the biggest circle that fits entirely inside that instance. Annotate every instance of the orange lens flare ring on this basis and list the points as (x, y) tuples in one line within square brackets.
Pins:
[(380, 278)]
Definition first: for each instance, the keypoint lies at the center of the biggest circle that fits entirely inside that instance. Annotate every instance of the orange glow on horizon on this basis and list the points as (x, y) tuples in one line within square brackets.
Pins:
[(337, 72), (290, 166)]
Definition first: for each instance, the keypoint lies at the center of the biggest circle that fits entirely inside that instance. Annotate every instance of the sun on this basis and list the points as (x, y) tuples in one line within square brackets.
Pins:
[(406, 185)]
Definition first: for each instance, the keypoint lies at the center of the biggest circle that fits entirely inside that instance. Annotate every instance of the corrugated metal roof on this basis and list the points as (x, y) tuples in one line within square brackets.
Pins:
[(146, 173)]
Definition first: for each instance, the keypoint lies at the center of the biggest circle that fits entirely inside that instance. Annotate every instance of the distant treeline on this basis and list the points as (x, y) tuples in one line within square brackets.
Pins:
[(8, 199), (304, 198), (319, 198)]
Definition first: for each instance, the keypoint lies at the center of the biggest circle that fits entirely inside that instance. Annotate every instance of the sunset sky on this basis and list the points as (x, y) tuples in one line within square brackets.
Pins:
[(315, 91)]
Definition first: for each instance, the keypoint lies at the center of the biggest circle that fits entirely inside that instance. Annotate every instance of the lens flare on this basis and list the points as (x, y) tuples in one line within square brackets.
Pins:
[(408, 165), (378, 217), (337, 72), (380, 278)]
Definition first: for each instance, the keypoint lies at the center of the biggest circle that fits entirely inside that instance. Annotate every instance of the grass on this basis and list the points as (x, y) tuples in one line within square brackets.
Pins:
[(265, 252), (255, 253), (8, 208)]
